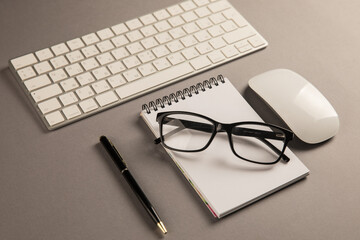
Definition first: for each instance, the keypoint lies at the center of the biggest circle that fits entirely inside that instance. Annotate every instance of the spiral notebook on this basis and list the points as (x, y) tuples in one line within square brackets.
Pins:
[(224, 182)]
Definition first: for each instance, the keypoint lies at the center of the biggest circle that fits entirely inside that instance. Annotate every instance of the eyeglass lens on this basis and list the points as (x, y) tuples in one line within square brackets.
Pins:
[(186, 132), (257, 143)]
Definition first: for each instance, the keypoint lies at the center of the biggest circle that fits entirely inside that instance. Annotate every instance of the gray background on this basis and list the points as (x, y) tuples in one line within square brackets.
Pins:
[(59, 185)]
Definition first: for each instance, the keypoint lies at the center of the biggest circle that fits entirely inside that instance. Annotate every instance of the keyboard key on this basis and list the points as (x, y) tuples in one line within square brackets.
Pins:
[(119, 29), (175, 10), (190, 53), (201, 2), (116, 81), (149, 42), (239, 34), (153, 80), (131, 75), (175, 46), (202, 36), (256, 41), (71, 111), (69, 84), (216, 31), (243, 46), (57, 75), (42, 67), (85, 92), (106, 98), (89, 64), (44, 54), (101, 73), (90, 38), (46, 92), (90, 51), (68, 98), (218, 6), (146, 56), (26, 73), (176, 58), (204, 48), (147, 69), (131, 62), (161, 63), (134, 48), (200, 62), (60, 49), (59, 62), (119, 41), (120, 53), (75, 44), (162, 26), (217, 18), (161, 14), (202, 12), (189, 16), (217, 42), (216, 56), (54, 118), (187, 5), (133, 24), (105, 58), (88, 105), (49, 105), (191, 28), (160, 51), (176, 21), (147, 19), (105, 46), (116, 67), (229, 26), (177, 33), (75, 56), (188, 41), (37, 82), (74, 69), (148, 31), (100, 86), (134, 35), (229, 51), (105, 33), (85, 78), (204, 23), (236, 17), (163, 37)]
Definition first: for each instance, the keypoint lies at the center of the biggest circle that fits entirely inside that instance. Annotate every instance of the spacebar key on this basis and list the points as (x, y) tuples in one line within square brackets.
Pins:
[(154, 80)]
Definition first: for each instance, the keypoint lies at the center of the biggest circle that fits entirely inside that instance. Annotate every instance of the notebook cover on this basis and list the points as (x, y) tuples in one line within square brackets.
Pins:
[(223, 181)]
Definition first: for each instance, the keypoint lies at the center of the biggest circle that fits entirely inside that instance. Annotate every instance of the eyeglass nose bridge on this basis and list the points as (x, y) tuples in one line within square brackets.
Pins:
[(222, 127)]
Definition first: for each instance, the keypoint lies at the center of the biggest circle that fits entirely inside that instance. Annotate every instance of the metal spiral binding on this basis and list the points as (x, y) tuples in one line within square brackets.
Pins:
[(181, 94)]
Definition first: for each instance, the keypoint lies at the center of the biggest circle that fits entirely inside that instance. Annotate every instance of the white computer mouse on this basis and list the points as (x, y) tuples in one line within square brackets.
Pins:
[(303, 108)]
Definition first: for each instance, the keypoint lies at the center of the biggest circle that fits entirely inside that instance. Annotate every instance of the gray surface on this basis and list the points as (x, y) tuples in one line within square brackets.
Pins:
[(58, 185)]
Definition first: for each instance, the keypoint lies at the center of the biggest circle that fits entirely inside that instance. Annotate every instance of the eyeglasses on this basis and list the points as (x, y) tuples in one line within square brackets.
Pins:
[(255, 142)]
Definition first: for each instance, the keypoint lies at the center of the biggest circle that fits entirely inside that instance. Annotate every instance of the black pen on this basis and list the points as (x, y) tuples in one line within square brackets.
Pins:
[(110, 148)]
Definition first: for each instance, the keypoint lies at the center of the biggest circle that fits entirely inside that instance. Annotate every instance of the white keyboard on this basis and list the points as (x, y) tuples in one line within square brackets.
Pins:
[(86, 75)]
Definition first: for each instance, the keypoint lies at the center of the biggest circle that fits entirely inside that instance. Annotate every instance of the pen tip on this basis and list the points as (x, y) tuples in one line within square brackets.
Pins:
[(162, 227)]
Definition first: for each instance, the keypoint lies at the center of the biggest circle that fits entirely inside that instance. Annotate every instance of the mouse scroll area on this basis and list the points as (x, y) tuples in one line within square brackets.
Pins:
[(302, 107)]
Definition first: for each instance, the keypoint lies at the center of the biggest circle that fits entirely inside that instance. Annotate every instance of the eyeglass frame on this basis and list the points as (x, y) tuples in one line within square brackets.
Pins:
[(228, 128)]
